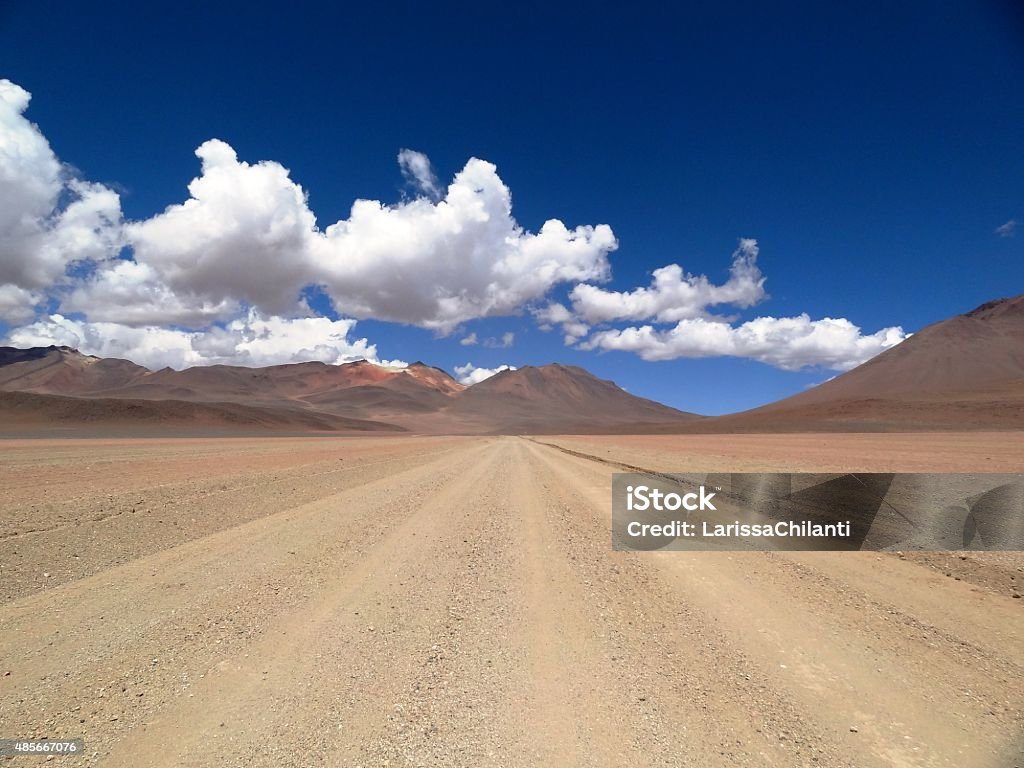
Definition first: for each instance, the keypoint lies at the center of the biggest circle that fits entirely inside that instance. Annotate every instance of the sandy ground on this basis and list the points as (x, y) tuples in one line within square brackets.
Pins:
[(430, 601)]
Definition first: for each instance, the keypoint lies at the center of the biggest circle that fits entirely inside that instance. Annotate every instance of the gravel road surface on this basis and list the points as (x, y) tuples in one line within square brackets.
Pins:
[(429, 601)]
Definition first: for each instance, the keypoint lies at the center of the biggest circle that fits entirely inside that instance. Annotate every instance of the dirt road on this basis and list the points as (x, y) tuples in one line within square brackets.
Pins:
[(455, 602)]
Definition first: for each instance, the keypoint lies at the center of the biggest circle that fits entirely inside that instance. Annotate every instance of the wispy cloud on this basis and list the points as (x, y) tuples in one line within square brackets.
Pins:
[(506, 340), (1009, 229), (419, 173)]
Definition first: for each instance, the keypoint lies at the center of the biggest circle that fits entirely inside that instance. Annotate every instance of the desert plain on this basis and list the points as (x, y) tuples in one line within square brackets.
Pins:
[(405, 600)]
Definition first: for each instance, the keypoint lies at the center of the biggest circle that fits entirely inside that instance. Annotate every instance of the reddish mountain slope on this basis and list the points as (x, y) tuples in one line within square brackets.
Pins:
[(965, 372), (968, 352), (556, 399), (359, 390), (62, 370), (552, 398)]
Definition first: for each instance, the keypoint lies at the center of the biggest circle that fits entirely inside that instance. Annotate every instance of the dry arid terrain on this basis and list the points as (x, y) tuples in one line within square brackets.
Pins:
[(455, 601)]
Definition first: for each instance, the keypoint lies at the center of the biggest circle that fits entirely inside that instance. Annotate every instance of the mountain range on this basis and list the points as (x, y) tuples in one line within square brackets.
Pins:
[(964, 372), (44, 384)]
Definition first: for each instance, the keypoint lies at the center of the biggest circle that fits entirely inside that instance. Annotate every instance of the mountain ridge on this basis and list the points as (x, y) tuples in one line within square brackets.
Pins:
[(965, 372), (419, 397)]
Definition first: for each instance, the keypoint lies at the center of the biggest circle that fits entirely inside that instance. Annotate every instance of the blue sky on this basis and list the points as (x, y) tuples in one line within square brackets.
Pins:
[(871, 149)]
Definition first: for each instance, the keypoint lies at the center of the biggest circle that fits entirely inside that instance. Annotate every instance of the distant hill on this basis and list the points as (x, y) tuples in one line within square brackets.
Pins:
[(558, 399), (354, 396), (63, 371), (966, 372)]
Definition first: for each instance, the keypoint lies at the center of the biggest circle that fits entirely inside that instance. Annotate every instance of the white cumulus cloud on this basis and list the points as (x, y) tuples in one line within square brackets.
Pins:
[(247, 236), (573, 329), (17, 305), (134, 293), (252, 340), (49, 218), (220, 276), (437, 265), (789, 343), (677, 306), (245, 241), (469, 374), (242, 235), (674, 294)]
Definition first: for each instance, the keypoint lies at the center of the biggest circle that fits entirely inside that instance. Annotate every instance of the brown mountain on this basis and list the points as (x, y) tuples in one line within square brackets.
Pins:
[(966, 353), (964, 372), (276, 397), (556, 399), (62, 370), (311, 385), (353, 396)]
